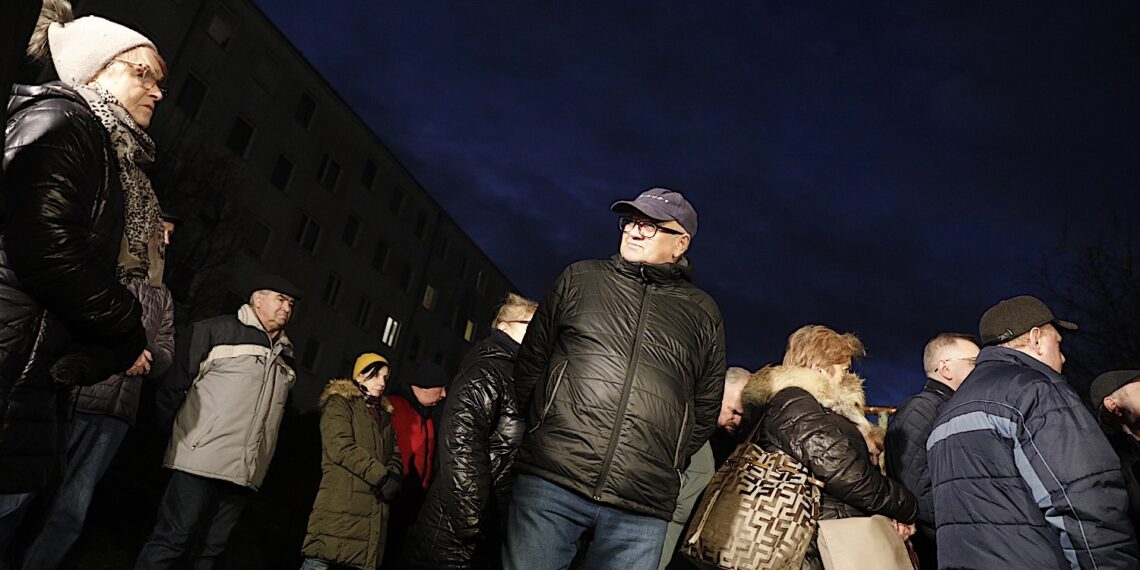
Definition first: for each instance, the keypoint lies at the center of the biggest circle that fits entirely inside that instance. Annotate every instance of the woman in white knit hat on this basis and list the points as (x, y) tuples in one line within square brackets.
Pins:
[(78, 221)]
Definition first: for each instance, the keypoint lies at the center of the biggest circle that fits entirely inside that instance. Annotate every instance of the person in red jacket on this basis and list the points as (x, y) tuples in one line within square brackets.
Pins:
[(413, 405)]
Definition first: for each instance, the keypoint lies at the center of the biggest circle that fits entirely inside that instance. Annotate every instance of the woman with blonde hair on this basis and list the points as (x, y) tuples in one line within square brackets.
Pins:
[(812, 408), (464, 516)]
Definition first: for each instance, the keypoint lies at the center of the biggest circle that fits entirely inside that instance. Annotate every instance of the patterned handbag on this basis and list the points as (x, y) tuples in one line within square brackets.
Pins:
[(759, 512)]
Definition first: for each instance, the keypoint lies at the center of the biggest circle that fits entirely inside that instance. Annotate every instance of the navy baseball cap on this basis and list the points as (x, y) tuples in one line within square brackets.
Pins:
[(661, 204)]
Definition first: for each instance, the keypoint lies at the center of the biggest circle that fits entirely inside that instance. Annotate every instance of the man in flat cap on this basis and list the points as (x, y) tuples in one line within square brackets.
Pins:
[(1116, 398), (620, 378), (230, 379), (1021, 474)]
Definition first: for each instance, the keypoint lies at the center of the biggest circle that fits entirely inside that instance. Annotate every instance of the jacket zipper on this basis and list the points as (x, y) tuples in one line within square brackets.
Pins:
[(627, 385), (681, 437), (553, 393)]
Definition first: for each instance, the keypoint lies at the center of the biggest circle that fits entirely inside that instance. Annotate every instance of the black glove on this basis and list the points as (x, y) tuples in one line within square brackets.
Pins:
[(389, 487)]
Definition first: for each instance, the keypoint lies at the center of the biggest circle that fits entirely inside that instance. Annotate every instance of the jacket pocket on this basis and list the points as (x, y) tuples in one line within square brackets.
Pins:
[(682, 439), (556, 374), (206, 431)]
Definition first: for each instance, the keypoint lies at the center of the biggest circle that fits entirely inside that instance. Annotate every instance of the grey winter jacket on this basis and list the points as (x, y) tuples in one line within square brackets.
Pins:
[(119, 395), (238, 380)]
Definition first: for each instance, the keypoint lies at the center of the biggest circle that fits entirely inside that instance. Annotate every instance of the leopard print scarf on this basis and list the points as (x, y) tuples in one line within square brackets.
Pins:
[(141, 252)]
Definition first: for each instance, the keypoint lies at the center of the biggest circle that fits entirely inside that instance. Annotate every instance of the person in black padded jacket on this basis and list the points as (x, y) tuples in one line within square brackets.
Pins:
[(812, 408), (465, 514)]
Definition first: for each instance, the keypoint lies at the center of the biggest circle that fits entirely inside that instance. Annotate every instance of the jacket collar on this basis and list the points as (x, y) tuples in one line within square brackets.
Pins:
[(247, 317), (941, 390), (1011, 356), (504, 343), (656, 273)]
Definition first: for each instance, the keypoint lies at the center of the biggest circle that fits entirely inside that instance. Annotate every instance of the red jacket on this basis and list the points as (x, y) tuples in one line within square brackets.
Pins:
[(415, 436)]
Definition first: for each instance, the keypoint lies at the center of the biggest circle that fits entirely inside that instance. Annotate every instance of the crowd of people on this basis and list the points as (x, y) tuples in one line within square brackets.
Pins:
[(580, 433)]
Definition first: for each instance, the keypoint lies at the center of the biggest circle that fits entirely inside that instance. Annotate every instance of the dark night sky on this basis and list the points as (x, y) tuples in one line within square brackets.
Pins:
[(886, 169)]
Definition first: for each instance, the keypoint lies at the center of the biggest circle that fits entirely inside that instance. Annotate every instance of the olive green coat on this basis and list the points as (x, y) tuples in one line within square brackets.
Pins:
[(349, 522)]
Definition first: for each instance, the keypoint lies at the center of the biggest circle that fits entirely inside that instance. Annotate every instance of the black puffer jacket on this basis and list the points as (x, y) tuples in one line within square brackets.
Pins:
[(817, 422), (464, 515), (61, 223), (905, 449), (620, 378)]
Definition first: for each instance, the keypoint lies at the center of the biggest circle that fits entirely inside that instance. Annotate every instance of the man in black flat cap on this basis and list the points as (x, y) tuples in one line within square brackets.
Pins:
[(1019, 470), (620, 378), (229, 384), (1116, 398)]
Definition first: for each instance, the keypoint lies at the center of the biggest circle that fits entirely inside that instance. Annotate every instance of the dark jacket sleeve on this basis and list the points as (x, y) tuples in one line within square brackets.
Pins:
[(906, 452), (803, 429), (1076, 468), (340, 444), (709, 392), (53, 171), (464, 455), (534, 354), (162, 347), (191, 348)]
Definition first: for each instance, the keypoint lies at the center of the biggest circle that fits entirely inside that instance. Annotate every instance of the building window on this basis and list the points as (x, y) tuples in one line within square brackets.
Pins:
[(332, 290), (368, 175), (240, 134), (397, 202), (480, 282), (191, 95), (311, 353), (328, 173), (414, 349), (257, 239), (421, 225), (221, 28), (282, 172), (391, 332), (364, 313), (429, 298), (267, 71), (306, 108), (462, 265), (308, 234), (380, 258), (469, 331), (406, 278), (351, 231), (444, 246)]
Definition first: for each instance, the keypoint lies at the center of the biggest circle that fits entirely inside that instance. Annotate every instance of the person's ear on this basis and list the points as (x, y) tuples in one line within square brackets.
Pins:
[(1112, 405), (682, 246)]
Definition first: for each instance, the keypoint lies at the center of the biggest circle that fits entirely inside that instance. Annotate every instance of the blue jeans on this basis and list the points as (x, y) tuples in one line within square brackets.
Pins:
[(315, 564), (195, 511), (546, 521), (92, 445)]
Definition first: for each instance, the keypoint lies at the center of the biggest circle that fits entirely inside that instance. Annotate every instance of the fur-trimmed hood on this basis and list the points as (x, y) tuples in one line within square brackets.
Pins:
[(843, 396), (348, 389)]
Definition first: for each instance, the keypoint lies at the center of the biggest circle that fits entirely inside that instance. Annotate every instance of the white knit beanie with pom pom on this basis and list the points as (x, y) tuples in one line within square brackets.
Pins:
[(81, 48)]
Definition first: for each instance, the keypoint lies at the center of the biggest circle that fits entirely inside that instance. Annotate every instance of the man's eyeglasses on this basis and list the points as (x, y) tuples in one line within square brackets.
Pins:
[(645, 227), (972, 359), (147, 77)]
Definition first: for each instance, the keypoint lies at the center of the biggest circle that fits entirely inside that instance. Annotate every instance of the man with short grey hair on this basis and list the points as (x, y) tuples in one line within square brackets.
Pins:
[(620, 378), (1115, 397), (948, 358), (1019, 469), (229, 387)]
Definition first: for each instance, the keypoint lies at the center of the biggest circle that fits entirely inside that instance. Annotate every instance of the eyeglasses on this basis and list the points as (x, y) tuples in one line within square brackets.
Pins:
[(972, 359), (147, 77), (645, 227)]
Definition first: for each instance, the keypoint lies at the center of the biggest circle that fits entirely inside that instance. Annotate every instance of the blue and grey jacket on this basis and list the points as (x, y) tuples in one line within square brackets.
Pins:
[(1022, 476)]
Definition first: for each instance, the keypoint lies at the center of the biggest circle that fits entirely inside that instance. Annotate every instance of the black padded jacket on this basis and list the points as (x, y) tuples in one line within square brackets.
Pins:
[(61, 220), (463, 518), (620, 378)]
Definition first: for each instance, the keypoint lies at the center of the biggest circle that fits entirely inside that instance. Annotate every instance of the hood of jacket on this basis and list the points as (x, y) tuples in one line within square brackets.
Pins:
[(348, 389), (24, 96), (844, 395)]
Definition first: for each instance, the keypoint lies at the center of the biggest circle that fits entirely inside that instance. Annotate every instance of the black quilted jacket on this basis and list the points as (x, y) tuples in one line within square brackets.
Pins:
[(906, 447), (61, 221), (620, 378), (462, 520)]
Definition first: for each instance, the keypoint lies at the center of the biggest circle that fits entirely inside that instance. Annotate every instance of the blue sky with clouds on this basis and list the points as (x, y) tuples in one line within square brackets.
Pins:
[(890, 169)]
